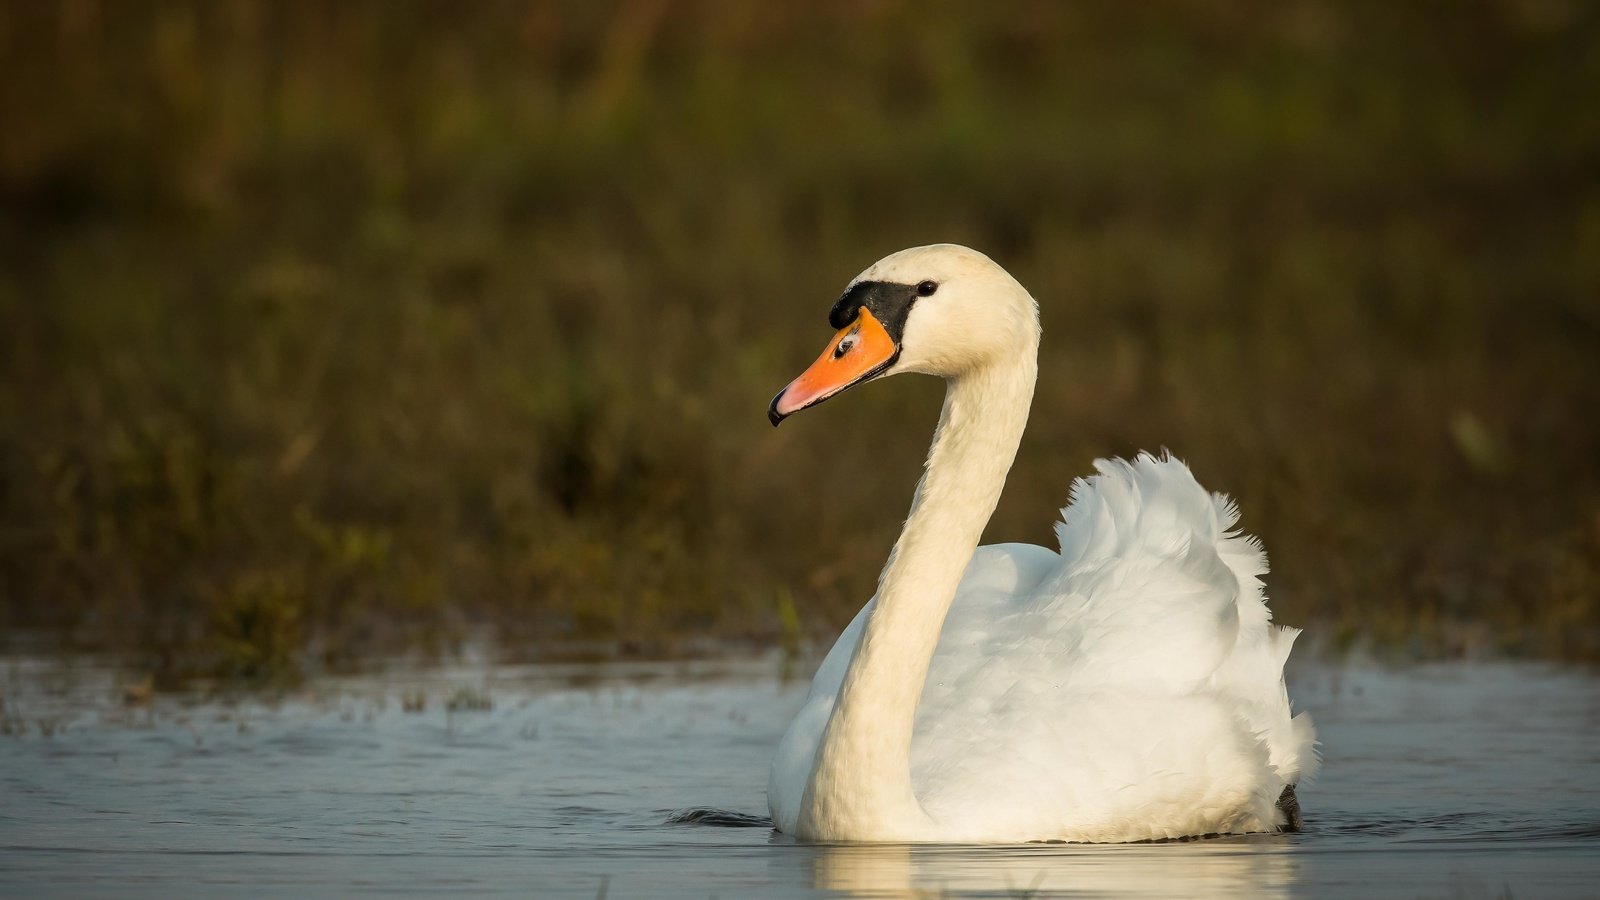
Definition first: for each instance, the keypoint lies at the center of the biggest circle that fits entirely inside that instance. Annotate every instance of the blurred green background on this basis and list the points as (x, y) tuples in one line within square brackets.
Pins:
[(335, 329)]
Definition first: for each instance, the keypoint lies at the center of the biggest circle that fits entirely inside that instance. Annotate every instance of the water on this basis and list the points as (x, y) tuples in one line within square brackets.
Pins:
[(1441, 781)]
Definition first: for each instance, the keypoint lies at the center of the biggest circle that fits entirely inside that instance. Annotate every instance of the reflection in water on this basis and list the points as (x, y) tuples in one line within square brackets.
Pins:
[(865, 871), (1259, 865)]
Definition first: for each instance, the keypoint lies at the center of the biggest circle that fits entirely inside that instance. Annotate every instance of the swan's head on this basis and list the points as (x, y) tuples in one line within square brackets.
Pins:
[(941, 310)]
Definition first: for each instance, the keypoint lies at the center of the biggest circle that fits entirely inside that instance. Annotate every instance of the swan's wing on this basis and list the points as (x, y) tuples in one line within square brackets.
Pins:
[(1141, 659), (1140, 597), (1152, 515)]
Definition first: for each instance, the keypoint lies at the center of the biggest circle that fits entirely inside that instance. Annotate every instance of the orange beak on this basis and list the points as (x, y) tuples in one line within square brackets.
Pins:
[(859, 352)]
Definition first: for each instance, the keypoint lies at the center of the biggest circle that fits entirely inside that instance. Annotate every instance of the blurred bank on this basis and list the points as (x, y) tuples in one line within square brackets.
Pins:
[(329, 329)]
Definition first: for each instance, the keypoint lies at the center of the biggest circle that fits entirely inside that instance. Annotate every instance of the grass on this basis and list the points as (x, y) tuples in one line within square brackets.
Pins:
[(331, 329)]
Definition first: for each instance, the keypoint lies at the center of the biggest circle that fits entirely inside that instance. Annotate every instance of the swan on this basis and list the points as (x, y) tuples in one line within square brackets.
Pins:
[(1127, 688)]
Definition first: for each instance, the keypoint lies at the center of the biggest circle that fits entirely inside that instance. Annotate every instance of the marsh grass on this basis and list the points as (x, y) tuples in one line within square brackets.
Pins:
[(332, 328)]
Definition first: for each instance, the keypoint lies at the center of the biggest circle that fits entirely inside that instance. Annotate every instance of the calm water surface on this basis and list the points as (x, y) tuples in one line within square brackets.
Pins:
[(1440, 781)]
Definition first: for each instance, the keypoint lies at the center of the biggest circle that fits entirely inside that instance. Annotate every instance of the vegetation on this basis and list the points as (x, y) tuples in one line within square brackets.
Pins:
[(331, 328)]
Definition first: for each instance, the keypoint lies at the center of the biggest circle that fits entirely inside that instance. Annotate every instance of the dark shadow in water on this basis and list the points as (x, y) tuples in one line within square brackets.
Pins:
[(717, 818)]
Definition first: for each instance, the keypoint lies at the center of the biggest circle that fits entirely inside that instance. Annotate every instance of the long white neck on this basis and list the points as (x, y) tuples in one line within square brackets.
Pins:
[(860, 786)]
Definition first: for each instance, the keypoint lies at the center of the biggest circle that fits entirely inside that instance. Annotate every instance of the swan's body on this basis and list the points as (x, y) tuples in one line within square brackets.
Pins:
[(1128, 688)]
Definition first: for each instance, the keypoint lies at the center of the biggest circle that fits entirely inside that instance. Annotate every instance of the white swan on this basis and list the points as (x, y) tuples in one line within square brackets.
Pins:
[(1128, 688)]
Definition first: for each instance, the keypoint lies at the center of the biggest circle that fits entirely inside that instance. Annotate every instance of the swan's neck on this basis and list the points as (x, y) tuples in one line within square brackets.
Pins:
[(860, 787)]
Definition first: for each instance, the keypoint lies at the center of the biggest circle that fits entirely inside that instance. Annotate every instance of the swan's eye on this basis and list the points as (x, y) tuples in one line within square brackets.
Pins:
[(927, 288)]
